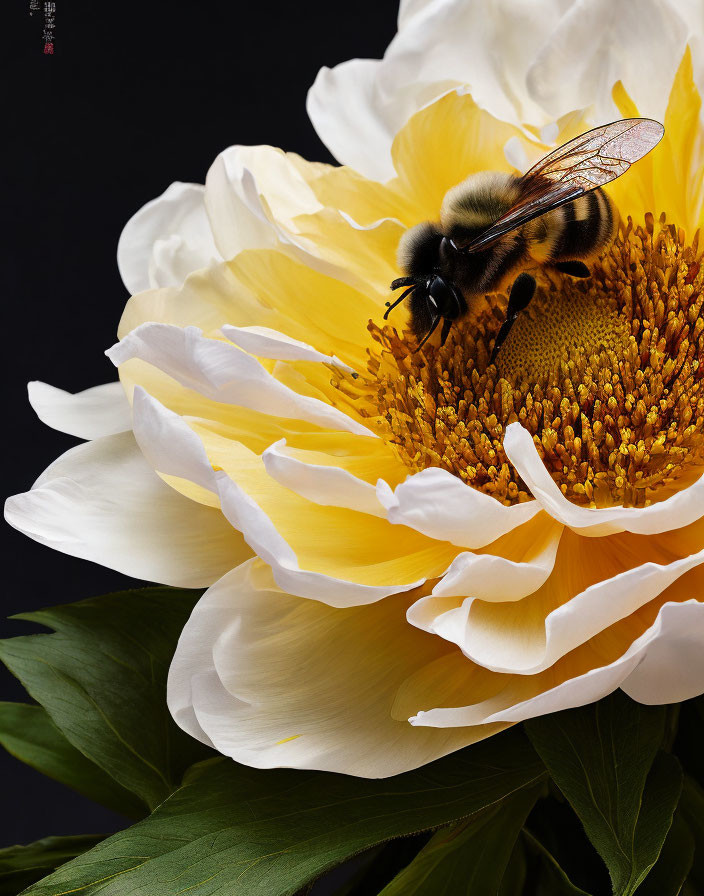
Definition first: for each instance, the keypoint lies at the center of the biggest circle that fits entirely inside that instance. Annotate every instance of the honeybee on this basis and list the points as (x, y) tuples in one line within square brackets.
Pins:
[(494, 227)]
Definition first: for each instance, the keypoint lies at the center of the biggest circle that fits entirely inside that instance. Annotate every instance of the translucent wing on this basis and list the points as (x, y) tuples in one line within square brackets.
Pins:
[(583, 164)]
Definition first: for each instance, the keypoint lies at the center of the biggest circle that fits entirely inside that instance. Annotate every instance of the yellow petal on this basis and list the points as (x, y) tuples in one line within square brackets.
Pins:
[(454, 691), (442, 145), (366, 201), (368, 252), (669, 179), (333, 541), (594, 583)]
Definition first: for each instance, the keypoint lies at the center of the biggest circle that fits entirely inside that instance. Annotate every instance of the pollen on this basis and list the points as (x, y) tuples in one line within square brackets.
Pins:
[(606, 373)]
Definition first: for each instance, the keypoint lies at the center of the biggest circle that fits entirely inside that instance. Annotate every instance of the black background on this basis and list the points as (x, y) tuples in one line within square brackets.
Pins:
[(135, 96)]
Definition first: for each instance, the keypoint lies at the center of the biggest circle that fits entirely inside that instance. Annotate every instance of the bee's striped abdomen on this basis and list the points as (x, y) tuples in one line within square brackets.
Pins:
[(578, 230)]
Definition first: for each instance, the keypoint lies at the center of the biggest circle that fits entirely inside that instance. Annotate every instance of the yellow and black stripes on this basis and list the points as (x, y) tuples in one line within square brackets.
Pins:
[(579, 230), (429, 256)]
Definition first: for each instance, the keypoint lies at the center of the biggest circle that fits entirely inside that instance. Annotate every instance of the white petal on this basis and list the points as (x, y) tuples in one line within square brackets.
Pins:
[(223, 372), (409, 9), (235, 210), (672, 668), (267, 343), (673, 643), (351, 118), (359, 106), (441, 506), (682, 509), (169, 444), (192, 669), (101, 501), (272, 680), (571, 72), (526, 62), (173, 259), (253, 194), (517, 566), (670, 650), (578, 619), (516, 155), (497, 577), (166, 239), (325, 485), (520, 564), (173, 449), (99, 411), (261, 535)]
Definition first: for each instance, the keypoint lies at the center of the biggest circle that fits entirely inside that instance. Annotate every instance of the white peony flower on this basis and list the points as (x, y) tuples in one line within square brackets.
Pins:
[(406, 552)]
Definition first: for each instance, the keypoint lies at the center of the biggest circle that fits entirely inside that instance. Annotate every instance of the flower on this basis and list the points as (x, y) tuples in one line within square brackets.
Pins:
[(520, 568), (393, 537)]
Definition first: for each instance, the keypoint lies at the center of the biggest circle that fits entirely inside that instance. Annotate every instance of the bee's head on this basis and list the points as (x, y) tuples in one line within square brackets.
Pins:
[(431, 299), (426, 257)]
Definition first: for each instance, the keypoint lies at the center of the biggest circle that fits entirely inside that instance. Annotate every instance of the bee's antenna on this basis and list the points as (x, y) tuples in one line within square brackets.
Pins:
[(404, 281), (390, 307)]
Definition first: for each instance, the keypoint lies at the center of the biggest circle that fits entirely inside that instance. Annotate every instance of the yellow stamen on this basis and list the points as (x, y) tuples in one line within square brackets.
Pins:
[(606, 373)]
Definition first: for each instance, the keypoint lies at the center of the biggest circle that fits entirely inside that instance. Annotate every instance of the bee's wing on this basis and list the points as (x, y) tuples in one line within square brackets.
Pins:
[(583, 164)]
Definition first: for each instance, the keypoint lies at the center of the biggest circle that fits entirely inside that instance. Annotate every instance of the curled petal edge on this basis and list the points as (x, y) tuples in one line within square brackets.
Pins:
[(441, 506), (681, 509), (674, 640)]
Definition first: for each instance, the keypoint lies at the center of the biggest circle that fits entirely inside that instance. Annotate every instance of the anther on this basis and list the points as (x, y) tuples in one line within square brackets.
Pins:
[(607, 374)]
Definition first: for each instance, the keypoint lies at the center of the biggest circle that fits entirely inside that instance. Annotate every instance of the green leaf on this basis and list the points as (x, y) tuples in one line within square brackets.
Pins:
[(669, 873), (235, 830), (553, 879), (692, 807), (28, 733), (21, 866), (690, 889), (101, 677), (514, 880), (603, 758), (469, 857)]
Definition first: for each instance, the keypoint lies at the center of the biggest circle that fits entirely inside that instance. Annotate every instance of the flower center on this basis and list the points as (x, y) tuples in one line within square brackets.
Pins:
[(606, 374)]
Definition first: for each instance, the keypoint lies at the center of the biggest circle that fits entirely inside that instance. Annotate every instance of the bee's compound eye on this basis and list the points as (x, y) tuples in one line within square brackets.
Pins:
[(442, 295), (447, 248)]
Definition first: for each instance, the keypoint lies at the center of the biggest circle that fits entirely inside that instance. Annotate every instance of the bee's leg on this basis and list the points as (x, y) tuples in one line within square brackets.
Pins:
[(436, 321), (573, 268), (522, 292), (446, 327), (501, 336)]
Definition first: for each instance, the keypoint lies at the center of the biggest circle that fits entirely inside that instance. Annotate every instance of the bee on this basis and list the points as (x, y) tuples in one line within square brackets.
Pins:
[(494, 227)]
